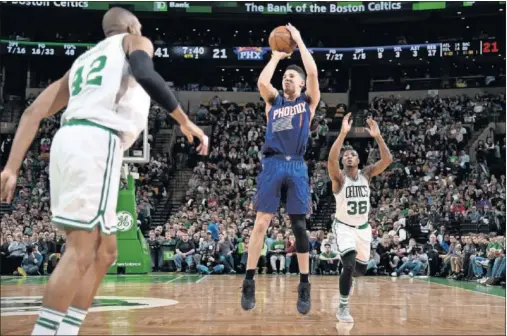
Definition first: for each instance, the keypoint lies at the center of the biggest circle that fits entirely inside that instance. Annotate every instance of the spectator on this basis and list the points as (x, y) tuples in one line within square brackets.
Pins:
[(277, 251), (30, 264), (225, 250), (416, 263), (184, 251), (328, 261)]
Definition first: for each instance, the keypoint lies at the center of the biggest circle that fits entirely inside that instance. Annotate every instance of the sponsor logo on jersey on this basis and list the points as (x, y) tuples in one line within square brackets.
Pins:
[(30, 305)]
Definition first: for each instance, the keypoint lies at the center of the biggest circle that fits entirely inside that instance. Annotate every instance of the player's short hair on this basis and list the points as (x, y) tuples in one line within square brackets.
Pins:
[(348, 148), (298, 69)]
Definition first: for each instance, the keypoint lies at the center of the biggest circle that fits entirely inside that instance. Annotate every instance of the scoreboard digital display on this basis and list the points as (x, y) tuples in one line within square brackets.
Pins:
[(356, 54)]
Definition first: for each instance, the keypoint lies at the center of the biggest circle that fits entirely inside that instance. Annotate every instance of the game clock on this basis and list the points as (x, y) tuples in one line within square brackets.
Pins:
[(392, 53)]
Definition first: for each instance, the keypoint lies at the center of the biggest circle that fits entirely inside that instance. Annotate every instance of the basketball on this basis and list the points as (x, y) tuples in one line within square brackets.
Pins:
[(281, 40)]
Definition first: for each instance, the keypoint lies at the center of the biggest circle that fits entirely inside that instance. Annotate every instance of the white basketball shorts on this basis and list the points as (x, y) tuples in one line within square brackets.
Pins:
[(84, 172), (350, 238)]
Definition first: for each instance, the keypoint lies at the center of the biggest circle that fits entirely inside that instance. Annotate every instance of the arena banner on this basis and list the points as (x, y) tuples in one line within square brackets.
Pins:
[(262, 7), (138, 6)]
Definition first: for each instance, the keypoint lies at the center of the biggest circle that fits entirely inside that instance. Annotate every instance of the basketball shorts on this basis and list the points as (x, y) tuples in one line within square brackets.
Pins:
[(357, 239), (84, 172), (287, 172)]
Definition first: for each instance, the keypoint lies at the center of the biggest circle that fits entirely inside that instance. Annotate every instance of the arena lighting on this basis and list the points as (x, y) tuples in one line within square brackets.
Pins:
[(459, 13)]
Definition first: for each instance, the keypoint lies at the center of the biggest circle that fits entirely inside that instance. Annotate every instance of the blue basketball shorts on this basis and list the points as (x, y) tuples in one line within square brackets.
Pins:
[(280, 171)]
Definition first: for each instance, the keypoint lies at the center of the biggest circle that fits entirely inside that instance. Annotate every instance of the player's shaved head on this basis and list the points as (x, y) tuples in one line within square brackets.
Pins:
[(118, 20)]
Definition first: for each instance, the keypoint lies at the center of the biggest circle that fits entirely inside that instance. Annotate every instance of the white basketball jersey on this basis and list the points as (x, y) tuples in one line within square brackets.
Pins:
[(102, 90), (353, 201)]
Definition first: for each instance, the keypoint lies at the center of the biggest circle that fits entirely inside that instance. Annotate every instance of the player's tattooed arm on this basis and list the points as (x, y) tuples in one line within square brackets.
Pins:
[(333, 161), (312, 73), (385, 155)]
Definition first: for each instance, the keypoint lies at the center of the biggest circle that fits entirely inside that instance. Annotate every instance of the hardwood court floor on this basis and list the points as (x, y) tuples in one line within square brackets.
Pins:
[(191, 304)]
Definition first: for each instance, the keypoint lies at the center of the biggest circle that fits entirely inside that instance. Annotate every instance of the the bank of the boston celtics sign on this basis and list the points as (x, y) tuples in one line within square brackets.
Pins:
[(29, 305)]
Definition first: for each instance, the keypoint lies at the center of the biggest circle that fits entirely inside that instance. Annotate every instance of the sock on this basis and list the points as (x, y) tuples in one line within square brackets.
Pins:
[(48, 322), (250, 274), (303, 277), (71, 322), (344, 300)]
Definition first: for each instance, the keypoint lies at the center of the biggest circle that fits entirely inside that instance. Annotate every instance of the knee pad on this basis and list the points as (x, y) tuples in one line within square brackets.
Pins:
[(299, 228), (349, 261), (360, 269)]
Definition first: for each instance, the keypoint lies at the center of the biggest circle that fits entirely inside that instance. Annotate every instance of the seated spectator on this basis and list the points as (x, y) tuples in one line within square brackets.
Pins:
[(277, 251), (167, 250), (314, 252), (225, 250), (384, 252), (328, 261), (290, 251), (17, 251), (498, 270), (243, 252), (416, 263), (371, 267), (457, 263), (184, 251), (433, 249)]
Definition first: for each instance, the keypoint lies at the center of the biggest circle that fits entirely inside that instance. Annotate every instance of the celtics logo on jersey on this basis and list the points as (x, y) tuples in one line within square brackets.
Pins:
[(355, 204), (30, 305)]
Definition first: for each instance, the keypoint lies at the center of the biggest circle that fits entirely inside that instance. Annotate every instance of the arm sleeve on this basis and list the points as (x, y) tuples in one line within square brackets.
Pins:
[(150, 80)]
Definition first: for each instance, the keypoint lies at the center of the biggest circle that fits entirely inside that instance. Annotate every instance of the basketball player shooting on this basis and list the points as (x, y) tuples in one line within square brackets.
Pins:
[(288, 120), (351, 188), (107, 92)]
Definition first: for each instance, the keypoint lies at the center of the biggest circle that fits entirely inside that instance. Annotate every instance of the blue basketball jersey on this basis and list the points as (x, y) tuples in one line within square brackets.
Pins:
[(288, 127)]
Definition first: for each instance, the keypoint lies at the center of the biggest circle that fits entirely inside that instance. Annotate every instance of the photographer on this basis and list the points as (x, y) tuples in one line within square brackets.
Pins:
[(209, 263), (30, 264), (416, 263)]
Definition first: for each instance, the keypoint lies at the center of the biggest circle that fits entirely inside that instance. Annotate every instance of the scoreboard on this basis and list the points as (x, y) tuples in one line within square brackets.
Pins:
[(356, 54)]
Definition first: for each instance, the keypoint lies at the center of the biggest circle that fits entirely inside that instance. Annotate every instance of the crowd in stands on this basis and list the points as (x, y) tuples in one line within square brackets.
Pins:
[(29, 243), (429, 192), (434, 212), (221, 189)]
